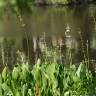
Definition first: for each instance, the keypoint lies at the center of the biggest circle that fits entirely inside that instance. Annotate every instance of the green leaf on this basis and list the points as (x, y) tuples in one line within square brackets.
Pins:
[(24, 90), (15, 73), (30, 92), (6, 89), (17, 93), (81, 71), (25, 71), (5, 73)]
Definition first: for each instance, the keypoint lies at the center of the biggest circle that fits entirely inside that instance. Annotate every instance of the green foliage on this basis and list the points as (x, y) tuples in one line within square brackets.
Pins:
[(15, 73), (47, 79), (5, 73), (23, 5)]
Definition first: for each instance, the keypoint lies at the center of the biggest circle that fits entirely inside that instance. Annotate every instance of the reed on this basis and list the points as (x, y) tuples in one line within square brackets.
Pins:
[(23, 25)]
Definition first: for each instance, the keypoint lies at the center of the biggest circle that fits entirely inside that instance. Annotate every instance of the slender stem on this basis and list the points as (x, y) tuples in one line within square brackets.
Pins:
[(87, 53), (3, 57), (23, 25), (82, 46)]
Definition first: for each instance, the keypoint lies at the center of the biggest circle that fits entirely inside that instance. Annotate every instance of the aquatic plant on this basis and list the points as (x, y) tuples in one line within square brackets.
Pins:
[(50, 79)]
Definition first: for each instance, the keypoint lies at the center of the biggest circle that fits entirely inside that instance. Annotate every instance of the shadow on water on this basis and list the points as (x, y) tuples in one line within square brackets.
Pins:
[(70, 30)]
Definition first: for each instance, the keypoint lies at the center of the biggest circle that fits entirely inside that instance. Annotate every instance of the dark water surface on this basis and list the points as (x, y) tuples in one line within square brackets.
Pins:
[(69, 27)]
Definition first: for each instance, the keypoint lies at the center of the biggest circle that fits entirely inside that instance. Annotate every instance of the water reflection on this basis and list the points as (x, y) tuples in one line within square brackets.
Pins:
[(61, 27)]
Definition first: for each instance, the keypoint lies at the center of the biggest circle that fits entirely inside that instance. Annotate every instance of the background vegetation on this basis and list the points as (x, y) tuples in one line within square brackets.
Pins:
[(28, 3)]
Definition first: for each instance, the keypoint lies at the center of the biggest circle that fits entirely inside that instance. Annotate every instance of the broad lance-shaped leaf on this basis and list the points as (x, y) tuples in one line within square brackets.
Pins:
[(15, 73), (25, 71), (6, 90), (81, 71), (36, 70), (44, 81), (5, 73), (17, 93), (30, 92), (24, 90), (51, 70)]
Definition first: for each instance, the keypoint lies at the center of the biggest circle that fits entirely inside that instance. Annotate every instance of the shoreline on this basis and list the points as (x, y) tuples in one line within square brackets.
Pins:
[(63, 5)]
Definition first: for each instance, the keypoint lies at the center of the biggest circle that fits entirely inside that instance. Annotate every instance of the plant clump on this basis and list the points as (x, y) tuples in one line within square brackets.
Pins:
[(47, 79)]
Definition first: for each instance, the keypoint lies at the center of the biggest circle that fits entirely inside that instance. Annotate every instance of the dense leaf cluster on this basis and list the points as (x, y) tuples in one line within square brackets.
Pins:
[(47, 79)]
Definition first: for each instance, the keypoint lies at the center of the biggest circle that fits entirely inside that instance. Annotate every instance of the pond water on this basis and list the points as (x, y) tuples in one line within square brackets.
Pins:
[(69, 27)]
